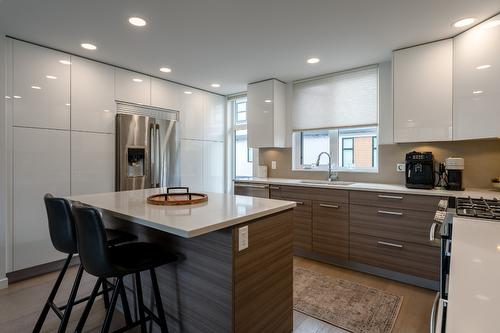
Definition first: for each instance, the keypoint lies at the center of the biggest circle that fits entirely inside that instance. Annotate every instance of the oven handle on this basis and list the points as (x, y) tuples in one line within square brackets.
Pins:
[(433, 323), (432, 232)]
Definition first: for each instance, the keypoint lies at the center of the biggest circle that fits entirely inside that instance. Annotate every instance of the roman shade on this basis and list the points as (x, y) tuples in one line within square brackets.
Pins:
[(344, 99)]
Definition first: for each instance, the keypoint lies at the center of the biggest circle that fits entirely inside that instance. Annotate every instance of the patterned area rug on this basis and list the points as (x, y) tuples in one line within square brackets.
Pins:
[(345, 304)]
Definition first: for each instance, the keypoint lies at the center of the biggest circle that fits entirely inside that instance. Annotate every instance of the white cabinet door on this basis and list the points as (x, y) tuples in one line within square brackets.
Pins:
[(260, 115), (132, 87), (93, 105), (41, 165), (385, 112), (214, 117), (191, 166), (476, 108), (191, 115), (41, 87), (166, 94), (92, 163), (213, 166), (423, 92)]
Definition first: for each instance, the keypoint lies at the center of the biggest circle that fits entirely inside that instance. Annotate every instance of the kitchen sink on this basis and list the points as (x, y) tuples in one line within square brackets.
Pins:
[(327, 182)]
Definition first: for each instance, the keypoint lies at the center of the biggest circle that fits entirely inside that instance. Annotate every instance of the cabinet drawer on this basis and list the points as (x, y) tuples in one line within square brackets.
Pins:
[(252, 190), (331, 229), (298, 192), (404, 257), (405, 225), (395, 200)]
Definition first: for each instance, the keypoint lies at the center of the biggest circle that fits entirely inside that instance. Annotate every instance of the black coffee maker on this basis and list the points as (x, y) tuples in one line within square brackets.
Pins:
[(420, 170)]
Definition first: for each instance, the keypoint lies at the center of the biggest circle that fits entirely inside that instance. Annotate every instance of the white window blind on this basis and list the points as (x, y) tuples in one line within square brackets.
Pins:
[(340, 100)]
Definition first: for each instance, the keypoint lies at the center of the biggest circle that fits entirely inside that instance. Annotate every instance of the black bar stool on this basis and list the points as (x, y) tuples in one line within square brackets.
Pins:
[(116, 262), (63, 236)]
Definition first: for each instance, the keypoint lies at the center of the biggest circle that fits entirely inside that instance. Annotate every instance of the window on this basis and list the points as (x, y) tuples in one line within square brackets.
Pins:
[(352, 149), (242, 155)]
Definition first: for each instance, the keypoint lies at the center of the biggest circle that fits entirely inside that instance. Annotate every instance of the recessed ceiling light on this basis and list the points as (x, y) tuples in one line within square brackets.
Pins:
[(268, 101), (137, 80), (51, 77), (68, 104), (17, 97), (312, 60), (491, 24), (36, 87), (477, 92), (88, 46), (464, 22), (7, 97), (188, 92), (483, 66), (137, 21), (215, 85), (65, 62), (165, 70), (106, 110)]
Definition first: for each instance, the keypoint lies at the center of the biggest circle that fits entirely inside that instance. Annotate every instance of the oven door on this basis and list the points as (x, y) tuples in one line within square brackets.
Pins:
[(438, 315)]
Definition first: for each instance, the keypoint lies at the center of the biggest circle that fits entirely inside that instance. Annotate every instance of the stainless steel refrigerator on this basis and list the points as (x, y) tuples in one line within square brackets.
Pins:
[(146, 152)]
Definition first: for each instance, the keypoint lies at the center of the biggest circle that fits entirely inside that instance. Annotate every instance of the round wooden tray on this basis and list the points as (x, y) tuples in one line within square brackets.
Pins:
[(177, 198)]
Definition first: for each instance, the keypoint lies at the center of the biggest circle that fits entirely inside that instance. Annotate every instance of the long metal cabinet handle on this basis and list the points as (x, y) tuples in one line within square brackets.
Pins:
[(399, 246), (395, 197), (300, 203), (329, 206), (158, 156), (274, 187), (386, 212), (251, 185), (432, 328), (432, 232), (152, 155)]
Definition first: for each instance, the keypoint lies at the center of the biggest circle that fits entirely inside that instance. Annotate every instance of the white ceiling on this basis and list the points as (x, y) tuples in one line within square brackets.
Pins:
[(233, 42)]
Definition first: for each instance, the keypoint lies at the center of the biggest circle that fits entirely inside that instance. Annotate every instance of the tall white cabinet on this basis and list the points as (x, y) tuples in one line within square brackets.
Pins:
[(132, 87), (41, 165), (423, 79), (476, 97)]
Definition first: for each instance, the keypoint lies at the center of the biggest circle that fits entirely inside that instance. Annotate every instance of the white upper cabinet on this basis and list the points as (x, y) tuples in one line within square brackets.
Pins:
[(92, 163), (423, 92), (132, 87), (266, 114), (191, 114), (214, 117), (41, 81), (476, 97), (166, 94), (41, 165), (93, 105), (213, 166)]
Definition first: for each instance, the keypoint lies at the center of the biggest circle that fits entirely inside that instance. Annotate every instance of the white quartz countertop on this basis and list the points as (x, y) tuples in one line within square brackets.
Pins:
[(474, 283), (219, 212), (374, 187)]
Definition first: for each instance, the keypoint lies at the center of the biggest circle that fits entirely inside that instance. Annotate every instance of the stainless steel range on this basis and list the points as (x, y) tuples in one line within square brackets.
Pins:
[(481, 208)]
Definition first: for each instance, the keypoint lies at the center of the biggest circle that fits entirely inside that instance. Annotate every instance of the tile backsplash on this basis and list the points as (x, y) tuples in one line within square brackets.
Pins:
[(482, 162)]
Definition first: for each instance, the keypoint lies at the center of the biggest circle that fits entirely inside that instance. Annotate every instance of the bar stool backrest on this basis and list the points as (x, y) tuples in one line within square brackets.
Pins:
[(91, 239), (61, 225)]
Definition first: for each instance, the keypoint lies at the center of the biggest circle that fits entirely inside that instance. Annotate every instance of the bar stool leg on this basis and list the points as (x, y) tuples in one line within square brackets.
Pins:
[(71, 300), (158, 302), (105, 295), (140, 302), (88, 306), (46, 307), (126, 308), (112, 305)]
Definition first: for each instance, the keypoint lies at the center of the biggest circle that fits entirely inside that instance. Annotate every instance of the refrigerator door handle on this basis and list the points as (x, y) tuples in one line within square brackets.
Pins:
[(152, 156), (158, 157)]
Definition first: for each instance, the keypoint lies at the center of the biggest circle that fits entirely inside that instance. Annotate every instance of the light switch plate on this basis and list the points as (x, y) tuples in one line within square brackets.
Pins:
[(242, 238), (400, 167), (273, 165)]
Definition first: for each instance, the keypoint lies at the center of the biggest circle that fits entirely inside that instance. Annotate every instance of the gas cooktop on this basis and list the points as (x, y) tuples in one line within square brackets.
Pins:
[(482, 208)]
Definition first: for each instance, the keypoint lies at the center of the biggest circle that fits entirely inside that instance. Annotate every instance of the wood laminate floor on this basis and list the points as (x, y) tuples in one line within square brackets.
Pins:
[(21, 303)]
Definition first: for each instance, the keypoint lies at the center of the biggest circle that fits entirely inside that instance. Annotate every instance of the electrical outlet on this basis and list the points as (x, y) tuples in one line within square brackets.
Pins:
[(242, 238), (400, 167), (273, 165)]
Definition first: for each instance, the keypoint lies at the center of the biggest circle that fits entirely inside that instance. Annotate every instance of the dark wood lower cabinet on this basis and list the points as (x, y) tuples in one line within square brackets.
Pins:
[(330, 229), (399, 256)]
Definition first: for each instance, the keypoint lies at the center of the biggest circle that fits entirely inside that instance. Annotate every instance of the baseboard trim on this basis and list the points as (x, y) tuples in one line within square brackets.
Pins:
[(4, 283), (27, 273)]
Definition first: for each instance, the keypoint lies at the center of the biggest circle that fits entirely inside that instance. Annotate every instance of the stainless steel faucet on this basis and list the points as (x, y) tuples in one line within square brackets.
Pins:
[(332, 175)]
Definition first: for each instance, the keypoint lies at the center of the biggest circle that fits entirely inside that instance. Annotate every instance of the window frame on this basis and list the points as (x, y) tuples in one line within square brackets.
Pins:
[(236, 126)]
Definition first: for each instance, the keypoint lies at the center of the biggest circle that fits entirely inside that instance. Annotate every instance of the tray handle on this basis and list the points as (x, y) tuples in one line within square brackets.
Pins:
[(179, 188)]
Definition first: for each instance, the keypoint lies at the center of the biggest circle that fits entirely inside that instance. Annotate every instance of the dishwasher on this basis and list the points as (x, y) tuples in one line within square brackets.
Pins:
[(251, 189)]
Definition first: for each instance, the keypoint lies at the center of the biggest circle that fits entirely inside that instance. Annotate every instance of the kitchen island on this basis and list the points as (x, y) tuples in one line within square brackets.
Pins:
[(228, 278)]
